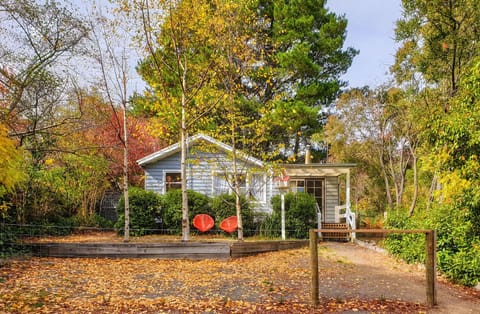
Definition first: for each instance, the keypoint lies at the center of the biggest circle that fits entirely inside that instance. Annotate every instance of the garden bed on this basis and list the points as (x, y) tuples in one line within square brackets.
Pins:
[(109, 245)]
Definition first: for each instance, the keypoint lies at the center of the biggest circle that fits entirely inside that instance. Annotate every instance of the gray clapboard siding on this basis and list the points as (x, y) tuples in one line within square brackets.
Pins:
[(201, 167), (154, 173), (331, 198)]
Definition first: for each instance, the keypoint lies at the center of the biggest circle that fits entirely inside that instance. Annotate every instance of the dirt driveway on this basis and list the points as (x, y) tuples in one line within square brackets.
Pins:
[(375, 275)]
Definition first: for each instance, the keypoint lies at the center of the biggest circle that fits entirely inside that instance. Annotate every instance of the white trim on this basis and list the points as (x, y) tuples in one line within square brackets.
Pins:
[(164, 177), (172, 149), (263, 192), (263, 176)]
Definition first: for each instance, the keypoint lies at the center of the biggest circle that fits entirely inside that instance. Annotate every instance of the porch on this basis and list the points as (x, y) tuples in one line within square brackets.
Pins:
[(323, 181)]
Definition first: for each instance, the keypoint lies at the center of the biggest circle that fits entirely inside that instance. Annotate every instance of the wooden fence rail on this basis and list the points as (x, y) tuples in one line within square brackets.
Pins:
[(430, 261)]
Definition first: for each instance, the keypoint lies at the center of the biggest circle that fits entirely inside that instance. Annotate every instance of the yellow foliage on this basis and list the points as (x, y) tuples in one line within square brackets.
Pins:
[(10, 161), (49, 161), (373, 222), (452, 185), (431, 162)]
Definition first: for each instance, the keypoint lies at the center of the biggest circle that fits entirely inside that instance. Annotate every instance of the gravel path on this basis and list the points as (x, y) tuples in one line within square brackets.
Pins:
[(372, 274)]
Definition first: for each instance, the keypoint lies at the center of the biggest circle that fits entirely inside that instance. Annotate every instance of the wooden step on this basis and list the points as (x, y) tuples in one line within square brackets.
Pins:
[(335, 236)]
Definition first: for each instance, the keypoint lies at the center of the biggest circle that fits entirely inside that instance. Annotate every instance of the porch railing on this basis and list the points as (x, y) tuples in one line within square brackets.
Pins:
[(319, 216), (342, 211)]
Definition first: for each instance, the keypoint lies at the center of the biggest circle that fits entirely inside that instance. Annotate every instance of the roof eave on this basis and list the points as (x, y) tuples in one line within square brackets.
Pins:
[(172, 149), (317, 170)]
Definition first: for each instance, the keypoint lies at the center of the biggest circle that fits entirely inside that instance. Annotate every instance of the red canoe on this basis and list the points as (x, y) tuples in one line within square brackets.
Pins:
[(203, 222), (229, 224)]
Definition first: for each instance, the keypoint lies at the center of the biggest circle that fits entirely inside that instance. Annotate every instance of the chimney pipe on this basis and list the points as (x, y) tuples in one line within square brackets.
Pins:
[(308, 157)]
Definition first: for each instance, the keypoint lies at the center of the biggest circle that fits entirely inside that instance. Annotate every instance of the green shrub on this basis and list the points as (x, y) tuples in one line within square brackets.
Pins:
[(8, 241), (409, 247), (462, 266), (270, 226), (300, 216), (223, 206), (458, 245), (144, 208), (172, 208)]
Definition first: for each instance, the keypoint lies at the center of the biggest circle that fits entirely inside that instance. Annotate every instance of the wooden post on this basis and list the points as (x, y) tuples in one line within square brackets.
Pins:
[(314, 266), (430, 266)]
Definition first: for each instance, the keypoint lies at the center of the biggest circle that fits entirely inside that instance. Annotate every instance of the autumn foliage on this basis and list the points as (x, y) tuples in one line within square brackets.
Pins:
[(103, 131)]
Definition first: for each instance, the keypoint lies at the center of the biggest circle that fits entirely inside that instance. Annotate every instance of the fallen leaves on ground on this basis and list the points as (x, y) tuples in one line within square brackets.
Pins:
[(89, 236), (277, 282)]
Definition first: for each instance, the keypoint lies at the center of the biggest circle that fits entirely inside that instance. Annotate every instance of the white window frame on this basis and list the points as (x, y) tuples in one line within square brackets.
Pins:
[(260, 196), (167, 171)]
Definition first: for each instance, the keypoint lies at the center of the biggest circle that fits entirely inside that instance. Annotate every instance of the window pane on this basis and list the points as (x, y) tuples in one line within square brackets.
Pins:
[(173, 180), (220, 184), (297, 185), (256, 187)]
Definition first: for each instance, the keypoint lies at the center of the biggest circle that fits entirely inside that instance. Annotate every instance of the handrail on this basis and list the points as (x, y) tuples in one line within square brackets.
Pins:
[(319, 216), (349, 217)]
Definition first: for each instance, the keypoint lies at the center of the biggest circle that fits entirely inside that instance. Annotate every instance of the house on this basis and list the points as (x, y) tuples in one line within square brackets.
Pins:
[(209, 171)]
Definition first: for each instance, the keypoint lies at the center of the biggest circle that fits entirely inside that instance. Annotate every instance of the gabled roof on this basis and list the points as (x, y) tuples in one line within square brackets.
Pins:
[(175, 148)]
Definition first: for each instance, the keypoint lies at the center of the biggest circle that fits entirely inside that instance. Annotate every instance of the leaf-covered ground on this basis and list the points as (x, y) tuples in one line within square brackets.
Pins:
[(277, 282)]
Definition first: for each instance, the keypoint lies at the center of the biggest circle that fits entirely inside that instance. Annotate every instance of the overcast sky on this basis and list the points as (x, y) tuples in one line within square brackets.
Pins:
[(371, 30)]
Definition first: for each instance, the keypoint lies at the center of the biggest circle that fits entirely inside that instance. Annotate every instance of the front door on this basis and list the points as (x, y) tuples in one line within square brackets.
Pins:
[(315, 188)]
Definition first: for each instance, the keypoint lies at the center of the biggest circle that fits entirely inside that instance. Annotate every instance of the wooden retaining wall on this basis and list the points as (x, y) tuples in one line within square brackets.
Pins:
[(240, 249), (167, 250)]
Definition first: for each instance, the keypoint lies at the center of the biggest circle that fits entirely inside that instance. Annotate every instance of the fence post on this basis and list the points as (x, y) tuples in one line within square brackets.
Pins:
[(314, 266), (430, 266)]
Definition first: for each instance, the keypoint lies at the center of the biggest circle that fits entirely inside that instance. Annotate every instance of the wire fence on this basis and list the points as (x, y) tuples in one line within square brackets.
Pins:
[(48, 230), (17, 237)]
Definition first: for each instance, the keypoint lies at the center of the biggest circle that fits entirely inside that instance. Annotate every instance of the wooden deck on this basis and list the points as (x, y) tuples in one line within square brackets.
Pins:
[(167, 250)]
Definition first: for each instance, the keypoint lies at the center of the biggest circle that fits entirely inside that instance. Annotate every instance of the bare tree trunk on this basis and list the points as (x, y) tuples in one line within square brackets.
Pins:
[(120, 88), (125, 161), (238, 205), (415, 183), (387, 183), (394, 174), (183, 167), (433, 187)]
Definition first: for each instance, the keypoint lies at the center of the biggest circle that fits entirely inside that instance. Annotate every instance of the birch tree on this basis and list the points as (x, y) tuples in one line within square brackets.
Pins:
[(179, 40), (113, 66)]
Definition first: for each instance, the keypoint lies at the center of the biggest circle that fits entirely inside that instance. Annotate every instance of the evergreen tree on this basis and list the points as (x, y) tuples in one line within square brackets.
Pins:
[(303, 43)]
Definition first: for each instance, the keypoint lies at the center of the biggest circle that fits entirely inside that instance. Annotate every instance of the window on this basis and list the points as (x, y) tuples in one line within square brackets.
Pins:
[(173, 180), (220, 184), (297, 185), (224, 183), (313, 186), (256, 187), (251, 185), (316, 188)]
